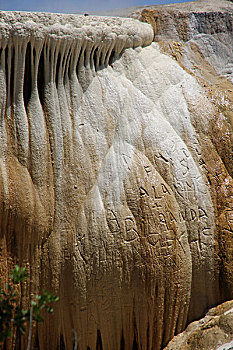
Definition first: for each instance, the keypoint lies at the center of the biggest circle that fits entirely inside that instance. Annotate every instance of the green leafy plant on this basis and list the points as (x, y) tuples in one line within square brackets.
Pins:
[(12, 315)]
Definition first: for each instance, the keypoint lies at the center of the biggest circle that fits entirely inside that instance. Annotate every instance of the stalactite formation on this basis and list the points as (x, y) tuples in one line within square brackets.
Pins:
[(113, 190)]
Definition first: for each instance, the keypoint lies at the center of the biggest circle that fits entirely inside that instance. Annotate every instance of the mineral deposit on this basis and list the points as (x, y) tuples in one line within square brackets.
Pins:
[(116, 169)]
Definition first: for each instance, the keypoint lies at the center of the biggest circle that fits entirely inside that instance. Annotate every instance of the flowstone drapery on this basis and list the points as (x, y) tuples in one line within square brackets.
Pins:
[(114, 188)]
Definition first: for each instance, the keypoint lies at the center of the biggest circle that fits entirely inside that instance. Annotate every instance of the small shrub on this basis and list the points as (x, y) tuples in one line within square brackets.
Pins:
[(12, 316)]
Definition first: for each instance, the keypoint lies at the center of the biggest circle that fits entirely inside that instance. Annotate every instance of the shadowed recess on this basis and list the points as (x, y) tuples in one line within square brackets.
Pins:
[(99, 345), (27, 83), (40, 77)]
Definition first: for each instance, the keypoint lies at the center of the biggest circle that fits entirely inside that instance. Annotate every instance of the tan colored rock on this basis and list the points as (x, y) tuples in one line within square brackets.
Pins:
[(115, 175), (213, 332)]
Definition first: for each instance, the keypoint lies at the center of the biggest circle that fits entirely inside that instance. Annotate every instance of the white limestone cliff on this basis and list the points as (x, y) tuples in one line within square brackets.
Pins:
[(115, 178)]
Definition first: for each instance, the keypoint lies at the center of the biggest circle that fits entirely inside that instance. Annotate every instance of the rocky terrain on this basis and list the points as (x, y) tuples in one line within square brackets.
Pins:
[(116, 169), (214, 331)]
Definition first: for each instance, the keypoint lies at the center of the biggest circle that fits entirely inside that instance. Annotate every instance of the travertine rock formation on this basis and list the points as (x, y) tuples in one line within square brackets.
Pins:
[(116, 174)]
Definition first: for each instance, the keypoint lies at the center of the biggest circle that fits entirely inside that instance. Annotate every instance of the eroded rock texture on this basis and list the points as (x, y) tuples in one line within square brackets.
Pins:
[(214, 331), (116, 175)]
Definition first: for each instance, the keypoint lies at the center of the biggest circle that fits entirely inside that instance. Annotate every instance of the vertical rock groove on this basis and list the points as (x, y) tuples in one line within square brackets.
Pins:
[(27, 83), (40, 77)]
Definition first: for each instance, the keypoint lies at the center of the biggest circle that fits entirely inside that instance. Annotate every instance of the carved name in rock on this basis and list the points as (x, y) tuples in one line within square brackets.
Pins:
[(113, 188)]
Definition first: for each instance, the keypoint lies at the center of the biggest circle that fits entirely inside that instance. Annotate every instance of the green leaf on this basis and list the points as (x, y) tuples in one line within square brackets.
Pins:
[(12, 314), (19, 274)]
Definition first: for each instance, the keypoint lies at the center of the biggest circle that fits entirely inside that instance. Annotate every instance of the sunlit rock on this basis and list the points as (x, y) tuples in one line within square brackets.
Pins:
[(115, 176)]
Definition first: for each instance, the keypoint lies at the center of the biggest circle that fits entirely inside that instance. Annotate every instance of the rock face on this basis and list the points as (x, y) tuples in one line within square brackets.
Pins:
[(116, 171), (214, 331)]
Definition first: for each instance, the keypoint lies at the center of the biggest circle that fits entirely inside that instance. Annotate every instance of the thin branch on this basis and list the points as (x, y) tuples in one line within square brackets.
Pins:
[(30, 330)]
